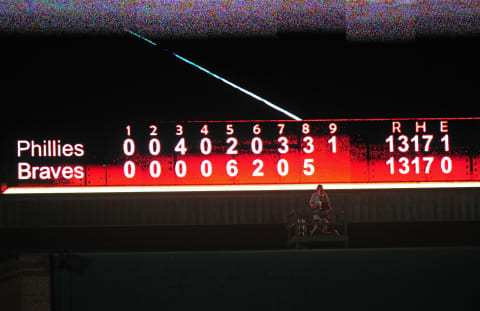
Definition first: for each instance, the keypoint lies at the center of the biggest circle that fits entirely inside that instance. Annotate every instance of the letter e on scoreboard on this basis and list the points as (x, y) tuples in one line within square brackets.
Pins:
[(444, 126)]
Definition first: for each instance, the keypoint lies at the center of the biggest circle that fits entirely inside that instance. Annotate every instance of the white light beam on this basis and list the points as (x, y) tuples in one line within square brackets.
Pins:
[(263, 100)]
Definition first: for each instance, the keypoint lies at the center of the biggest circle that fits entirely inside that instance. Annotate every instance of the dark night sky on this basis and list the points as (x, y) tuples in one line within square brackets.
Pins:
[(48, 78)]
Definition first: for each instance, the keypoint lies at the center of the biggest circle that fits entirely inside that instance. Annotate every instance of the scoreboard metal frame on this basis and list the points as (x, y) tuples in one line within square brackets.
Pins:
[(252, 155)]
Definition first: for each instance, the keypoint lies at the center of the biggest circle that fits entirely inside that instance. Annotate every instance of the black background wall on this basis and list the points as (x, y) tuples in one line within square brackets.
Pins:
[(225, 208), (398, 279), (255, 220)]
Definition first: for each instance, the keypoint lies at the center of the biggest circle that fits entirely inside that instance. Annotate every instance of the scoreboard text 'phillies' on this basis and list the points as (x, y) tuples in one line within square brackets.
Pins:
[(250, 155)]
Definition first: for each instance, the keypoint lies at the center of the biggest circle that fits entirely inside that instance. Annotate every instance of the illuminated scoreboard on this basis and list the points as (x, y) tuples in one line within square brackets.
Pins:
[(249, 155)]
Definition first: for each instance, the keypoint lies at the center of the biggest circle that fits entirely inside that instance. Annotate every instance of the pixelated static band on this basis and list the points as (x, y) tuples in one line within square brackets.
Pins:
[(266, 102)]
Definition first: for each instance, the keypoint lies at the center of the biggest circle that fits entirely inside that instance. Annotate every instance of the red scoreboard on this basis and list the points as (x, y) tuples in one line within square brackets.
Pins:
[(249, 155)]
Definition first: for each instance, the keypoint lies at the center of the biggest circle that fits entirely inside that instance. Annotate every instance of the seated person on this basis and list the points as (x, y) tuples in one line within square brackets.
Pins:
[(320, 203)]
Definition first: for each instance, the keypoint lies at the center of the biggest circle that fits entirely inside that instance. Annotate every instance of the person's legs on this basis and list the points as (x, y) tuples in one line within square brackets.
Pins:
[(325, 225), (316, 223)]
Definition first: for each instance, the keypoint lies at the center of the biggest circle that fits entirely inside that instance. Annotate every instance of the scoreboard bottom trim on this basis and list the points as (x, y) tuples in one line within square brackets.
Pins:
[(226, 188)]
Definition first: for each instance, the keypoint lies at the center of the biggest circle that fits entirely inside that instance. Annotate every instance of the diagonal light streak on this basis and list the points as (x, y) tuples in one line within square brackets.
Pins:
[(263, 100)]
